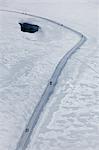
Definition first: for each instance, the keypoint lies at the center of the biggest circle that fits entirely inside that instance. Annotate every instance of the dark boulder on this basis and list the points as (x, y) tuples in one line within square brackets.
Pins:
[(31, 28)]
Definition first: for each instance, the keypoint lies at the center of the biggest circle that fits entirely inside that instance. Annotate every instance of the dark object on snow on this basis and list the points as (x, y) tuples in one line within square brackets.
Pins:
[(27, 130), (31, 28), (50, 82)]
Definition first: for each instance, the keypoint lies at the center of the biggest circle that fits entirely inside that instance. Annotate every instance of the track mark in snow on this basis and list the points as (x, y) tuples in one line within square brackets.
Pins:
[(25, 138)]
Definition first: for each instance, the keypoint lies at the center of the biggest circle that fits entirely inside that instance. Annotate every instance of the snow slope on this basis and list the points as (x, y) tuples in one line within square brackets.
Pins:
[(71, 118), (27, 63)]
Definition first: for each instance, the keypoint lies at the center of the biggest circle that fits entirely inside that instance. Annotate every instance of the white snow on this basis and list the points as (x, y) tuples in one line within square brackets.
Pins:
[(27, 62), (71, 119)]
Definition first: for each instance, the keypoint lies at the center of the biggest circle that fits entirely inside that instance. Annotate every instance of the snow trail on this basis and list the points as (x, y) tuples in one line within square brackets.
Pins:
[(24, 140)]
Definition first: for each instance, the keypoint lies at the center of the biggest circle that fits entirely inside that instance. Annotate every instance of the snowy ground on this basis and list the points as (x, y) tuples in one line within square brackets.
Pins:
[(71, 119), (27, 63)]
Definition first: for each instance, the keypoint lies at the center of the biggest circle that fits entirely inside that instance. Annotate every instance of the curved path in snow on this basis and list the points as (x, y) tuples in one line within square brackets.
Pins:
[(25, 138)]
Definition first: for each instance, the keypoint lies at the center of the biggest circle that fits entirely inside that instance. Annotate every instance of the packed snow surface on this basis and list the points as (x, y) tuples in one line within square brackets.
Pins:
[(70, 120), (27, 62)]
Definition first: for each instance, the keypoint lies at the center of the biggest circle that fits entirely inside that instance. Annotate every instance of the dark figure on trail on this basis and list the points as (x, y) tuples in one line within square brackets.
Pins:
[(31, 28)]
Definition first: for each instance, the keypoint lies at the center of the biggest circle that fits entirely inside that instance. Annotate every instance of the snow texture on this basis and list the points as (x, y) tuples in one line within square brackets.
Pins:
[(70, 120), (26, 64)]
